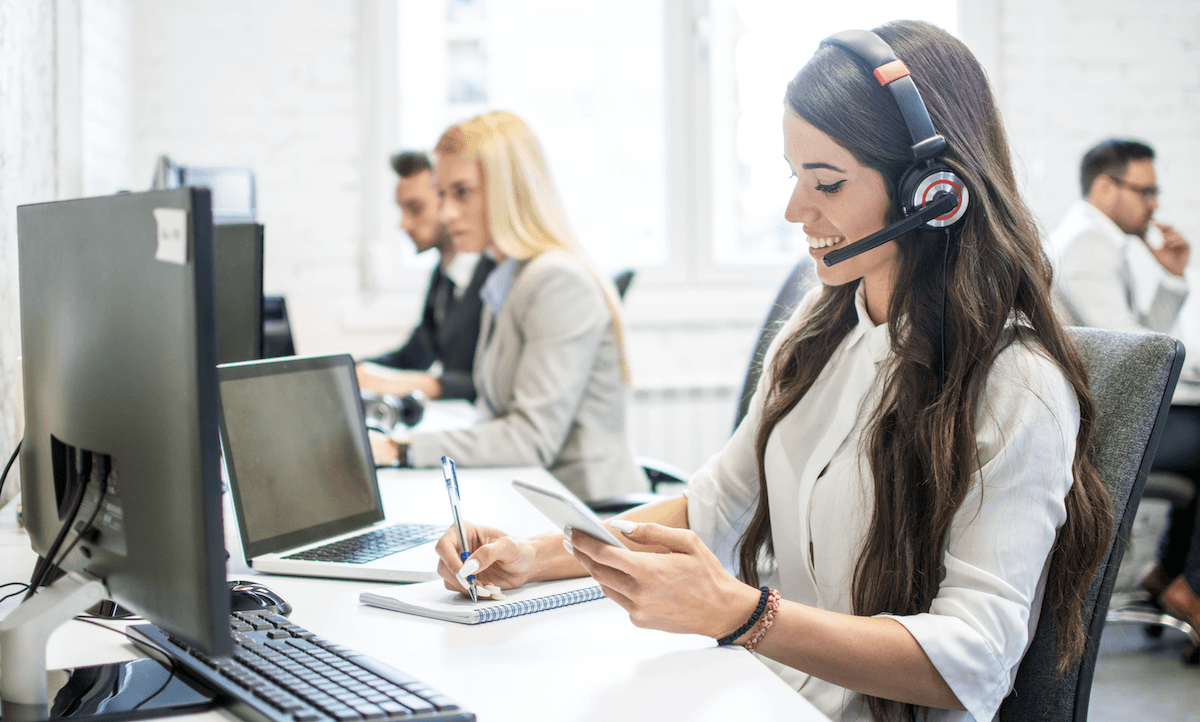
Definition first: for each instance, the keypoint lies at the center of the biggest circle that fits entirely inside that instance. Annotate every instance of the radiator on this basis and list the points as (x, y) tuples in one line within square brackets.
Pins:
[(682, 426)]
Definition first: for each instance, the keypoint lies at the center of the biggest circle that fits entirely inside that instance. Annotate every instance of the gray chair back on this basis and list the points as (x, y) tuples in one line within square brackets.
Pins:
[(799, 281), (1132, 378)]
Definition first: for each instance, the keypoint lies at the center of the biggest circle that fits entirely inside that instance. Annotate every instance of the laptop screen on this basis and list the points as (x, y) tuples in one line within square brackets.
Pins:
[(296, 450)]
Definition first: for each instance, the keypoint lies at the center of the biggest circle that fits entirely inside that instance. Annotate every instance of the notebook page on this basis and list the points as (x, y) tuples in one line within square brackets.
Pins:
[(432, 599)]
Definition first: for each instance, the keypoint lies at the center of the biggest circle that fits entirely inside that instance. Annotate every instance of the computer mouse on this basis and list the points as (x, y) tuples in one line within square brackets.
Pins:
[(249, 596)]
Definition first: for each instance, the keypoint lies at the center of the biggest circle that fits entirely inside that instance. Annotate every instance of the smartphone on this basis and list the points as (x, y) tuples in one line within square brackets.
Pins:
[(564, 509)]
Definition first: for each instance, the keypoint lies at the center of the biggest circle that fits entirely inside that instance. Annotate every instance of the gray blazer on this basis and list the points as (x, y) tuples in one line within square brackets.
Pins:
[(548, 374)]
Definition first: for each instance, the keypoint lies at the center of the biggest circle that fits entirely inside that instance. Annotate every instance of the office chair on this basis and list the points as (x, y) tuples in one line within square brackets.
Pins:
[(1137, 606), (1132, 378), (797, 283), (277, 330), (622, 281)]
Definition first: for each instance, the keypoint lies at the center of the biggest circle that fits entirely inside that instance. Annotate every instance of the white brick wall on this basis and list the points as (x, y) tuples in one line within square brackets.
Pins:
[(1073, 72), (274, 86), (106, 97), (27, 154)]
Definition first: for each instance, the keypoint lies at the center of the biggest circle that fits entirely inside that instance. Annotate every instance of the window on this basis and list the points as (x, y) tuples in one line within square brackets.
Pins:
[(588, 77), (756, 48), (660, 118)]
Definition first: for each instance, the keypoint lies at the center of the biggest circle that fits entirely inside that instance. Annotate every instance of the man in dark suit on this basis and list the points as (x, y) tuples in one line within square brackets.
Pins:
[(449, 327)]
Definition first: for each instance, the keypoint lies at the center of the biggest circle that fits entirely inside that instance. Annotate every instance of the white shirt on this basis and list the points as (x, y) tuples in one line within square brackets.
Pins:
[(1095, 281), (499, 282), (983, 617), (460, 270)]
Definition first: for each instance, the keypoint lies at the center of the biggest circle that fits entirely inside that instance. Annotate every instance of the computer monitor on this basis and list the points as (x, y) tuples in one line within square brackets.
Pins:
[(121, 450), (238, 282), (277, 329), (233, 196), (232, 191)]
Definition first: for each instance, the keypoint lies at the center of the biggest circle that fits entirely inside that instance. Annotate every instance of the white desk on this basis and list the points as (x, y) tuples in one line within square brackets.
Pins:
[(585, 662), (444, 415)]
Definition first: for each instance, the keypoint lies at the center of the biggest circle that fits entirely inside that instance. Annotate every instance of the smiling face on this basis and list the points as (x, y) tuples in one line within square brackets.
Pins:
[(839, 201), (462, 206)]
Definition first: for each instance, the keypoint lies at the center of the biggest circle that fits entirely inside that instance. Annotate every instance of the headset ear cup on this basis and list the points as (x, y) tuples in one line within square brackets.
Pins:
[(921, 185)]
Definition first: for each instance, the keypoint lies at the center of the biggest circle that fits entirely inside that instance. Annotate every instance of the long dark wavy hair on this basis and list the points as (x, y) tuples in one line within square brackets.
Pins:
[(920, 441)]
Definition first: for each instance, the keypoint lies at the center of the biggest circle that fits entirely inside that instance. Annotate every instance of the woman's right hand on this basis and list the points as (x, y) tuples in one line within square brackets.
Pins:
[(499, 561), (385, 450)]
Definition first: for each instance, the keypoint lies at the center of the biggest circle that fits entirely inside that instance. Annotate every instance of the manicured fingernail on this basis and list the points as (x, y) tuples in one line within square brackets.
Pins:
[(623, 525), (468, 569), (497, 592), (567, 545), (482, 591), (567, 531)]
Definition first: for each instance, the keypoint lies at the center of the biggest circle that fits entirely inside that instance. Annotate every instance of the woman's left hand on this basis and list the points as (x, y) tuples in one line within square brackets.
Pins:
[(685, 590)]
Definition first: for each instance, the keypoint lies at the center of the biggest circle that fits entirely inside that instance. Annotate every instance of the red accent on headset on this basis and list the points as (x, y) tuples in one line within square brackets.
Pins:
[(932, 190), (889, 72)]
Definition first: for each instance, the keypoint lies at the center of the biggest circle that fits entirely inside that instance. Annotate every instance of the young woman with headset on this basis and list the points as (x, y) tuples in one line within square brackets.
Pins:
[(916, 452)]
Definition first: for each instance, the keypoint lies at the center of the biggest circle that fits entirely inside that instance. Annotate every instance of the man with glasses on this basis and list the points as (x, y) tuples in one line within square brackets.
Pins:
[(1120, 195), (1097, 285)]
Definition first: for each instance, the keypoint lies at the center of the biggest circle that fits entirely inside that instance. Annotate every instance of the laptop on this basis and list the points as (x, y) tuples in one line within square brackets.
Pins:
[(303, 479)]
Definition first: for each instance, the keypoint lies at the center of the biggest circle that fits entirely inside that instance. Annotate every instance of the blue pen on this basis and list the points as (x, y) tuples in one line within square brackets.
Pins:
[(452, 489)]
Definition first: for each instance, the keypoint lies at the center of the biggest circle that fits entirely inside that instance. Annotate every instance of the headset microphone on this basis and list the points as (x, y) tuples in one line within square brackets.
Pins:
[(942, 203), (928, 192)]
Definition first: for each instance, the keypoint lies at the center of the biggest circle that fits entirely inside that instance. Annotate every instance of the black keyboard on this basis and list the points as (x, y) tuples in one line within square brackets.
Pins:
[(280, 672), (372, 545)]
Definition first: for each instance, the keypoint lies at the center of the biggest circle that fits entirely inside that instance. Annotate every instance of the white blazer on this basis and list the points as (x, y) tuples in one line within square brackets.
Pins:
[(550, 386), (819, 486), (1094, 279)]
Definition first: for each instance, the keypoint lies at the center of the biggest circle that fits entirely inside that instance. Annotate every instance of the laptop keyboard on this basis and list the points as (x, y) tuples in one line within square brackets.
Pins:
[(281, 672), (372, 545)]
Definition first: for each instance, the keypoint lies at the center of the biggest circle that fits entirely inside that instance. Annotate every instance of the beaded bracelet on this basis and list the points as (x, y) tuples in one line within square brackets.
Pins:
[(765, 623), (758, 611)]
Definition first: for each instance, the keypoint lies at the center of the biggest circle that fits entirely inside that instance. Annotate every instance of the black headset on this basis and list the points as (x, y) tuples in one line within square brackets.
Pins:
[(929, 193)]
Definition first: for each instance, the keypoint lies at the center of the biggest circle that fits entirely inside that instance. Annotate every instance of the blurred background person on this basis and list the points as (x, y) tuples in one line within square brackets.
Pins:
[(1098, 287), (449, 327), (1120, 195), (551, 371)]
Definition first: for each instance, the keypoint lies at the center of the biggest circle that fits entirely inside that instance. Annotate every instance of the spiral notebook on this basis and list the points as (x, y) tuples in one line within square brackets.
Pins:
[(432, 599)]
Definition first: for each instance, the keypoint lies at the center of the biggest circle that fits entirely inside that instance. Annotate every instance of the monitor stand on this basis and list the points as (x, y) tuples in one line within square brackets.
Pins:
[(105, 608), (125, 690)]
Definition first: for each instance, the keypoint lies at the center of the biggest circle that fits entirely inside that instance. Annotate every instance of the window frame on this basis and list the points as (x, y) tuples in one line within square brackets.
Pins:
[(688, 137)]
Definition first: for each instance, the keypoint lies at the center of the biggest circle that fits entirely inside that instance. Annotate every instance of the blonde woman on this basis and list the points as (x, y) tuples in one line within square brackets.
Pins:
[(550, 369)]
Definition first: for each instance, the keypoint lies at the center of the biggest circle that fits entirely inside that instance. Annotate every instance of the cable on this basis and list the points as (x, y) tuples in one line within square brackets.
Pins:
[(42, 571), (8, 466), (945, 277), (171, 664), (131, 618), (6, 597), (105, 469)]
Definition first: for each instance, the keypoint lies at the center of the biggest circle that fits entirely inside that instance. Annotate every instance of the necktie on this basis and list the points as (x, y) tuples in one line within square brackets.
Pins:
[(443, 299)]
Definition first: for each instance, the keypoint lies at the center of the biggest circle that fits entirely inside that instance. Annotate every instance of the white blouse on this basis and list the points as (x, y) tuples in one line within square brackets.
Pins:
[(983, 617)]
